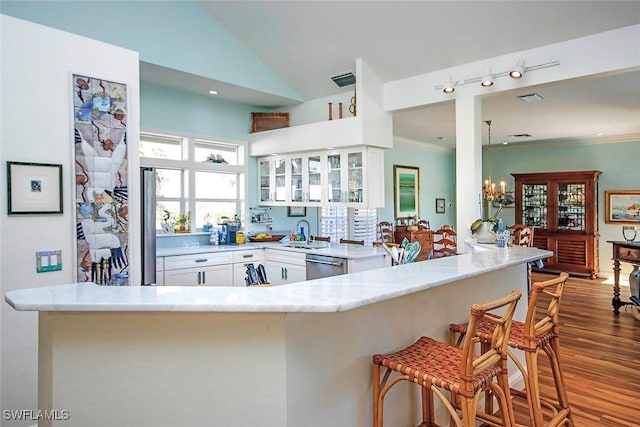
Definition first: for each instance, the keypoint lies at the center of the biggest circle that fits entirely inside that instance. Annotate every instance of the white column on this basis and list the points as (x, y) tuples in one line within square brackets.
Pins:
[(468, 164)]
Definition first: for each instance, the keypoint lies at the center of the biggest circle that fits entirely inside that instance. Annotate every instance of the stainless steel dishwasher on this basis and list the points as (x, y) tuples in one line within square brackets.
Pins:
[(319, 266)]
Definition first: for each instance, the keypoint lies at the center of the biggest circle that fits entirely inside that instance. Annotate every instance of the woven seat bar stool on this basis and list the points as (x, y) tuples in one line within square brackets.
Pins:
[(439, 368), (538, 332)]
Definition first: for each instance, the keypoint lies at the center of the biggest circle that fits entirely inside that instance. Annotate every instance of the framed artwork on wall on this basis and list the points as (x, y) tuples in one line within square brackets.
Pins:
[(406, 191), (101, 174), (296, 211), (622, 207), (439, 205), (34, 188)]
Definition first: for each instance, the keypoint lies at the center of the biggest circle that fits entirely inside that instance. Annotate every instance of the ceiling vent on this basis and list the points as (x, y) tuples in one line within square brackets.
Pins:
[(532, 97), (344, 79)]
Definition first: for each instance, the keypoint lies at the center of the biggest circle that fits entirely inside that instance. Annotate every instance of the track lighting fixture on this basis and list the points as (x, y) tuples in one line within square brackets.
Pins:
[(488, 79), (449, 87), (518, 71)]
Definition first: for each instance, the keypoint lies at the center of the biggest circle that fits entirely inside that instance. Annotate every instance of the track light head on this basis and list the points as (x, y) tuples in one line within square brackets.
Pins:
[(487, 79), (449, 87), (518, 71)]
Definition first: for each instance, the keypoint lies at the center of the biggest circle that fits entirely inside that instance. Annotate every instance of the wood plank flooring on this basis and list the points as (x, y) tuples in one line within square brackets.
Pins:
[(600, 356)]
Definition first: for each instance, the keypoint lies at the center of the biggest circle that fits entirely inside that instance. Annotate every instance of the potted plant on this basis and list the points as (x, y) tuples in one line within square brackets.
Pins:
[(183, 223), (484, 229)]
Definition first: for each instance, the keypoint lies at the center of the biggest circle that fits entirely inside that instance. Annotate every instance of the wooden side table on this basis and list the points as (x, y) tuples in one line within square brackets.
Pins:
[(622, 252)]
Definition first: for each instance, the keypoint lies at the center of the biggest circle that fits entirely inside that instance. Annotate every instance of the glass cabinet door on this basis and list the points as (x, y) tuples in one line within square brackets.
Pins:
[(280, 181), (265, 180), (355, 173), (296, 179), (534, 205), (334, 178), (315, 179), (571, 206)]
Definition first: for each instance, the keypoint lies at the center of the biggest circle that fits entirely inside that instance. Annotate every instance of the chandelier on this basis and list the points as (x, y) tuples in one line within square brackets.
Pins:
[(489, 192)]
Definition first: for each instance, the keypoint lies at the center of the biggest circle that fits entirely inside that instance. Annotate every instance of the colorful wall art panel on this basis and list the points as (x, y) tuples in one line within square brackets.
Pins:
[(101, 174)]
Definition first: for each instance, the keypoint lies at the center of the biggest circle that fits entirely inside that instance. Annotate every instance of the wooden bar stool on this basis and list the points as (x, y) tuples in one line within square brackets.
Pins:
[(436, 366), (535, 334)]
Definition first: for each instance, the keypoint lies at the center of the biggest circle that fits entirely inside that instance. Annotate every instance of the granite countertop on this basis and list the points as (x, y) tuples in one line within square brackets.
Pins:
[(321, 248), (330, 294)]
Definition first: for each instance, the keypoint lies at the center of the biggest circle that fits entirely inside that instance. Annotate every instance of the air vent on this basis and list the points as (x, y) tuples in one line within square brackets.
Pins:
[(532, 97), (344, 79)]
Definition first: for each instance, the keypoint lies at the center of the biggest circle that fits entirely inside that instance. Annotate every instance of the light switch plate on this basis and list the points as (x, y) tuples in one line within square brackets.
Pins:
[(48, 261)]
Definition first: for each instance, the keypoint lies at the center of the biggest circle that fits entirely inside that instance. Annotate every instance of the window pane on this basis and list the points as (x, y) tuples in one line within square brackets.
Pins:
[(212, 185), (216, 152), (215, 210), (160, 147), (168, 183)]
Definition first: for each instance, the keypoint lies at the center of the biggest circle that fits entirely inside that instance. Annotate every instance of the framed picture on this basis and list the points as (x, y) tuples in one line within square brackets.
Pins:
[(622, 207), (34, 188), (296, 211), (439, 205), (406, 191)]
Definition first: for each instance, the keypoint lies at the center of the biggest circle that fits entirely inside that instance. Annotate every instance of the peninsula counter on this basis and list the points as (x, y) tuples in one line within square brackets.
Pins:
[(288, 356)]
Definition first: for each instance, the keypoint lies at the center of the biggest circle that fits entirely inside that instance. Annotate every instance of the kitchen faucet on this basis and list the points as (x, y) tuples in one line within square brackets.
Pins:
[(307, 236)]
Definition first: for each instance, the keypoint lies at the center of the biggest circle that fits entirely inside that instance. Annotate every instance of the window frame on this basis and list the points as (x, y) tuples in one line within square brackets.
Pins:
[(189, 165)]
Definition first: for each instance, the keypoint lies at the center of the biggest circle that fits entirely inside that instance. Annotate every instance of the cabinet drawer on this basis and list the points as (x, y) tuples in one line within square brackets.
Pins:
[(295, 258), (254, 255), (160, 264), (628, 254), (197, 260)]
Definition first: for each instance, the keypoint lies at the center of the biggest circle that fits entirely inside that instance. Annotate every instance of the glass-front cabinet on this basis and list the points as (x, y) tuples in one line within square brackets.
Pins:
[(272, 176), (563, 208), (346, 177)]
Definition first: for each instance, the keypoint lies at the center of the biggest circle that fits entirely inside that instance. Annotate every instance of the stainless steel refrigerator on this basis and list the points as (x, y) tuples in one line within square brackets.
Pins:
[(148, 183)]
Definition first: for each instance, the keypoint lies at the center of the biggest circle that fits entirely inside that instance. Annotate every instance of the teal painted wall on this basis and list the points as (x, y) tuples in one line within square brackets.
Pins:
[(617, 161), (437, 180), (180, 35), (171, 109)]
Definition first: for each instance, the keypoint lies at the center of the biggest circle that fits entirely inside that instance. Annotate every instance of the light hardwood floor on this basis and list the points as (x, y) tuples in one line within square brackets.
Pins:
[(600, 356)]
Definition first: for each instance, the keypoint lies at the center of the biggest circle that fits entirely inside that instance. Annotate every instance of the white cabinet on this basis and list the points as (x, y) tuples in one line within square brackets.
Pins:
[(352, 177), (208, 269), (240, 261), (285, 267), (273, 178), (159, 271)]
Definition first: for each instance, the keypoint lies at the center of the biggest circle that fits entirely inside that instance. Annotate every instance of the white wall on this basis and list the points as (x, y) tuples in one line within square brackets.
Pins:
[(37, 126)]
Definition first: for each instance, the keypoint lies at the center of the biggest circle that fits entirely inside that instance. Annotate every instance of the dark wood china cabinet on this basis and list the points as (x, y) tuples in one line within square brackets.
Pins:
[(563, 208)]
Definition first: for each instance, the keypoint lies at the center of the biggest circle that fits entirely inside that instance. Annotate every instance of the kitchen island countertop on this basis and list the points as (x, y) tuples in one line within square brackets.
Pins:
[(331, 294)]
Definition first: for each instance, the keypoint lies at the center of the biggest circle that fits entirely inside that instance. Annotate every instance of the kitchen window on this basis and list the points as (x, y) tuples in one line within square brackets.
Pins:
[(348, 223), (204, 177)]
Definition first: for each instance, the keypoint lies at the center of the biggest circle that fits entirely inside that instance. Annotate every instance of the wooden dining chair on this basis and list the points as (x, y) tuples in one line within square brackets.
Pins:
[(352, 242), (445, 242), (385, 232)]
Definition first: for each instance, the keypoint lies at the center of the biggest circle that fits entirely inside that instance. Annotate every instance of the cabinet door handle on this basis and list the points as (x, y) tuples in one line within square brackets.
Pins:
[(202, 260), (286, 273), (199, 277), (203, 278), (247, 256)]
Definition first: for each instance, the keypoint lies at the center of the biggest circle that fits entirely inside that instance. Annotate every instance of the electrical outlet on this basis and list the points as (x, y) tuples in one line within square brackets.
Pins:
[(48, 261)]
